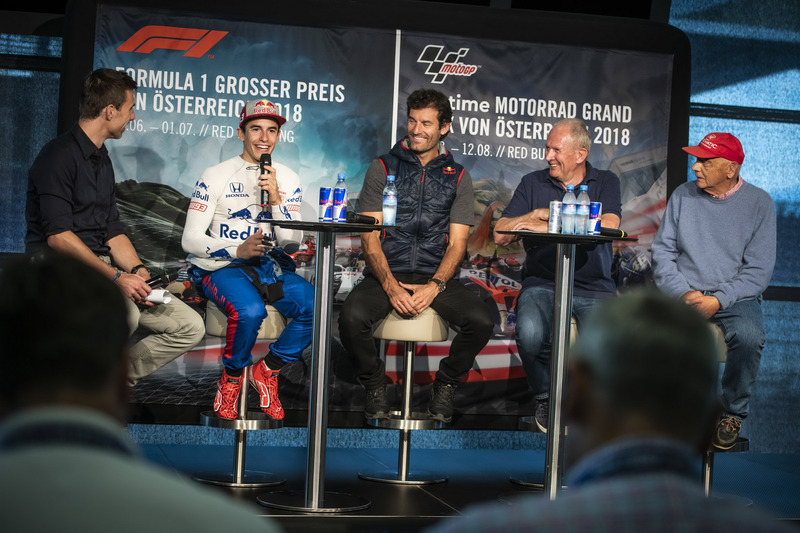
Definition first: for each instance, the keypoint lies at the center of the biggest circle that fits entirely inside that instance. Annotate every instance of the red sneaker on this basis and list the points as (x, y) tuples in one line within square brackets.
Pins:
[(266, 383), (226, 402)]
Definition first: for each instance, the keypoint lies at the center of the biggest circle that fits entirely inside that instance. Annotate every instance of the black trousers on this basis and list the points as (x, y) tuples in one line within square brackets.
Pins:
[(367, 304)]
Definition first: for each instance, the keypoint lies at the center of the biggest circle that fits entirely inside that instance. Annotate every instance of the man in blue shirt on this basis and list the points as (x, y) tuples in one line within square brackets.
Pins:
[(567, 148), (715, 250)]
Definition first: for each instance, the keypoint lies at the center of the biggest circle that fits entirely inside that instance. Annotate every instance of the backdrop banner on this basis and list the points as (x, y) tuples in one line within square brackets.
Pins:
[(343, 91)]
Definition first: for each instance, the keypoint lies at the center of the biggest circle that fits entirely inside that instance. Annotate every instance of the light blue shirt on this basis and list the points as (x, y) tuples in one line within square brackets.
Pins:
[(723, 247), (73, 470)]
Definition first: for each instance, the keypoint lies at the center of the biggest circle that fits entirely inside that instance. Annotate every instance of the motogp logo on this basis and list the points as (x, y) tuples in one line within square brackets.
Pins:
[(440, 66)]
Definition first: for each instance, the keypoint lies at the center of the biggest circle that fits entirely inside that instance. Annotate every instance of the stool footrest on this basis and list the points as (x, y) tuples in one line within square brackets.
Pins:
[(396, 421), (255, 420), (742, 444)]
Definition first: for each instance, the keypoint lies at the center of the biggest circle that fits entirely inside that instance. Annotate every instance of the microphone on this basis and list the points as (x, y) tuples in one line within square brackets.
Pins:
[(356, 218), (266, 160), (611, 232)]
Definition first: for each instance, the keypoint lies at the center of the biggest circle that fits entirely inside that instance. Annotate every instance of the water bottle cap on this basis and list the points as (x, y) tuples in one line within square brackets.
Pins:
[(390, 177), (340, 176), (570, 187), (584, 187)]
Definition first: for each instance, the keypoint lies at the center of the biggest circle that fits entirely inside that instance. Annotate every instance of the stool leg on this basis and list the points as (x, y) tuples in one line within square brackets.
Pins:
[(240, 435), (405, 434), (240, 477), (405, 423), (708, 471)]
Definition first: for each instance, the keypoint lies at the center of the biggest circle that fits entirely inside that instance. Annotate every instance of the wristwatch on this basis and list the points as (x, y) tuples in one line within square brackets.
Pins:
[(441, 284)]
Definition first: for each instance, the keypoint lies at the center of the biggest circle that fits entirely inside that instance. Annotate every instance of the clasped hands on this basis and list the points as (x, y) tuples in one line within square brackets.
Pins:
[(411, 299)]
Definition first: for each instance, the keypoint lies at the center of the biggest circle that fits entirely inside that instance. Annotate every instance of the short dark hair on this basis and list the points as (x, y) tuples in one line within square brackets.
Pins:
[(422, 98), (63, 326), (102, 87)]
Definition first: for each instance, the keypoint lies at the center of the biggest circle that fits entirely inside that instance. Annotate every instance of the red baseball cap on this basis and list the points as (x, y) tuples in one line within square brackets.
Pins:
[(260, 109), (723, 145)]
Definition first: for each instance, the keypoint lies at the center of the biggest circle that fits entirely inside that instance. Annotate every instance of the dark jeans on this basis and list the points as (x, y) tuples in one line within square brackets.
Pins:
[(743, 325), (368, 304)]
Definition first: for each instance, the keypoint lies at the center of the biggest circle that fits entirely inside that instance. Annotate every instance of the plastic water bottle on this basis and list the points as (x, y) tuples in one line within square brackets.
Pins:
[(569, 208), (582, 212), (340, 200), (389, 201)]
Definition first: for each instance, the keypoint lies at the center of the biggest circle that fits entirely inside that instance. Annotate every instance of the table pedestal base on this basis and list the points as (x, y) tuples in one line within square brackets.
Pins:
[(250, 479), (412, 477), (332, 502)]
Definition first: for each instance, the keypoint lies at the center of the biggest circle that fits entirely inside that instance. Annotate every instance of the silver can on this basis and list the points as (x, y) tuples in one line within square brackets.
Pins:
[(554, 220)]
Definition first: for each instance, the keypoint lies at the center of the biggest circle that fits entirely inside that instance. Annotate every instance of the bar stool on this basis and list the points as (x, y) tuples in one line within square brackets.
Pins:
[(741, 445), (216, 325), (428, 326)]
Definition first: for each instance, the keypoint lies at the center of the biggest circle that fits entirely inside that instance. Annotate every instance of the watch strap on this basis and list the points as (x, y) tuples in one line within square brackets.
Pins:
[(442, 285)]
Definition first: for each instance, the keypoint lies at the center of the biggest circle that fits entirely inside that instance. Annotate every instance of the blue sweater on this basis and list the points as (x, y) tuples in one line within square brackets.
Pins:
[(725, 248)]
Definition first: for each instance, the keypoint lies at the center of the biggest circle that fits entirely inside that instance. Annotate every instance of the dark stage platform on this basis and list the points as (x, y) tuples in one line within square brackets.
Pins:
[(770, 481)]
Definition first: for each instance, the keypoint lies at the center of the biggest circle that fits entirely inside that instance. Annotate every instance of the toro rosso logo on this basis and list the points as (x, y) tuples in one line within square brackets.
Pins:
[(196, 42), (441, 65)]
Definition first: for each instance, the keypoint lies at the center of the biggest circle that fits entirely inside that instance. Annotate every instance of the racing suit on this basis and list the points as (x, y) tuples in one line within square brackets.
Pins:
[(225, 209)]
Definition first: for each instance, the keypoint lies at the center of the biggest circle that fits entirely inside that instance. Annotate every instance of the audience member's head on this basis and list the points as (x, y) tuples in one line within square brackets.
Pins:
[(65, 335), (643, 365)]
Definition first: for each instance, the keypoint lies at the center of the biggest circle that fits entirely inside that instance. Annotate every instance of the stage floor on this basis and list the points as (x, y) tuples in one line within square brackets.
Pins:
[(770, 481)]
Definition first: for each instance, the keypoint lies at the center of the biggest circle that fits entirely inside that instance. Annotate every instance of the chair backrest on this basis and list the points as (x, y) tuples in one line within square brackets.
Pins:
[(427, 326)]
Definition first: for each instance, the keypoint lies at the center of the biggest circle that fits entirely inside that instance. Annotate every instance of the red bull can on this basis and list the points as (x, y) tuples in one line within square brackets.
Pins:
[(554, 220), (325, 204), (595, 212), (339, 204)]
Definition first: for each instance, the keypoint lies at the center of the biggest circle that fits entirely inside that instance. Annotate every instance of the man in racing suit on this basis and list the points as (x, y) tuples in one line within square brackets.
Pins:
[(232, 249)]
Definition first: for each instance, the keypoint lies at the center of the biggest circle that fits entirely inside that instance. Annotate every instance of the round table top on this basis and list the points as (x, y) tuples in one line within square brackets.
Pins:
[(566, 239), (338, 227)]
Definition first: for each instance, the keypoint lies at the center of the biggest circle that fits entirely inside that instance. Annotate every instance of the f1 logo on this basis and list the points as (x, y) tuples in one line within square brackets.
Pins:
[(196, 42)]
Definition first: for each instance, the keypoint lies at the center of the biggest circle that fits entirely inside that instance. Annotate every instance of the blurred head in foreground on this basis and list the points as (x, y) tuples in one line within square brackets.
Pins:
[(65, 334)]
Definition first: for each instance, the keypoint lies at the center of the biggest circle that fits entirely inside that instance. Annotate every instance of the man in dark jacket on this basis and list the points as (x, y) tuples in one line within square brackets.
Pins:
[(414, 265)]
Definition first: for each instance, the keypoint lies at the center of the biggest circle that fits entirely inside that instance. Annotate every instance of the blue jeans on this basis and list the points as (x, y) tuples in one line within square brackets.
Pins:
[(534, 333), (743, 326), (234, 293)]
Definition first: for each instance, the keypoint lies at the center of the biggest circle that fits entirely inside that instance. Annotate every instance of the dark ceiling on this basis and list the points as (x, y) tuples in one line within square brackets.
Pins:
[(642, 9)]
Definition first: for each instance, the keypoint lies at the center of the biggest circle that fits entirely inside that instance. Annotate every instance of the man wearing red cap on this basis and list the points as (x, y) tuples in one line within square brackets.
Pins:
[(236, 259), (715, 250)]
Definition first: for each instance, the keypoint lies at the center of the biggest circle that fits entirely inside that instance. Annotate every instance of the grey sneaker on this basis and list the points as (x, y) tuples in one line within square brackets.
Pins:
[(727, 432), (376, 404), (441, 405), (542, 414)]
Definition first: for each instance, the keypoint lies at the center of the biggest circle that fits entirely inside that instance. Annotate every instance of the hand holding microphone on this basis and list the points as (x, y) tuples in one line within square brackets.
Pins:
[(266, 161)]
